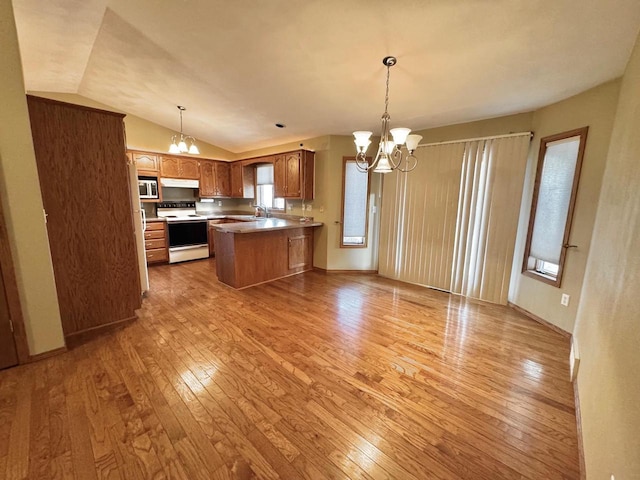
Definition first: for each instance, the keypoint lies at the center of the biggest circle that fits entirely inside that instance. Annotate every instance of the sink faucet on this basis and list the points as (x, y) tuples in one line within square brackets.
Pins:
[(264, 209)]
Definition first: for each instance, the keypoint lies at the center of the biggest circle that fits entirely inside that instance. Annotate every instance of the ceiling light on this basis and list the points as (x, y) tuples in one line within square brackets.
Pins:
[(389, 157), (180, 146)]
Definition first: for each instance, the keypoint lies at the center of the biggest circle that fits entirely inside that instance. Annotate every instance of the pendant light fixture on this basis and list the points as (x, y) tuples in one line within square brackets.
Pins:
[(181, 145), (390, 156)]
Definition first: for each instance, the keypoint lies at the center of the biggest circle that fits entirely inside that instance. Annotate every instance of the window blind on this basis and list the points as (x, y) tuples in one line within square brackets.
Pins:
[(356, 187), (554, 195), (264, 175)]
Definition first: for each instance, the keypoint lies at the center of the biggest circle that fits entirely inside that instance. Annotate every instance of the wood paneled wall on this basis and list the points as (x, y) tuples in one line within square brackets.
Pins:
[(81, 158)]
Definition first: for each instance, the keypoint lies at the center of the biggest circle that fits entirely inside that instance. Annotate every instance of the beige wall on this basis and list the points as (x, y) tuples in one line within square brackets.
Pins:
[(22, 201), (327, 204), (608, 327), (142, 134), (482, 128), (594, 108)]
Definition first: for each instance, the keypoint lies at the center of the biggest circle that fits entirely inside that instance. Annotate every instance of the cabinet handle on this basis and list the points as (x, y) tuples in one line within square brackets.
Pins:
[(566, 245)]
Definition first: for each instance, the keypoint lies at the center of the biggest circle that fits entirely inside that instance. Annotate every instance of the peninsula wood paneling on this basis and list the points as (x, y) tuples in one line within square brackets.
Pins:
[(246, 259), (81, 160)]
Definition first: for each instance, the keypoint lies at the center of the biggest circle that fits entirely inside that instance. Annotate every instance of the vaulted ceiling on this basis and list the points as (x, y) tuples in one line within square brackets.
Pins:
[(316, 65)]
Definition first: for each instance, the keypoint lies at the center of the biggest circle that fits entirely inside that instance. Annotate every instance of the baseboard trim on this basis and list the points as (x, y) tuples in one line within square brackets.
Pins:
[(576, 396), (76, 338), (331, 272), (539, 320), (50, 353)]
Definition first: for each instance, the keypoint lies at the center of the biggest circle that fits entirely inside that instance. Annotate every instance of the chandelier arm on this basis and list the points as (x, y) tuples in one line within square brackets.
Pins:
[(411, 163), (395, 158), (361, 162)]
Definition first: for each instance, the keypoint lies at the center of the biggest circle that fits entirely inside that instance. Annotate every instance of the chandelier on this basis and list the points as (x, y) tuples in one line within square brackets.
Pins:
[(181, 146), (390, 156)]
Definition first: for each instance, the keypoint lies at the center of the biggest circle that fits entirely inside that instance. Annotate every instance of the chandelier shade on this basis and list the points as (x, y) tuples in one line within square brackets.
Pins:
[(179, 142), (390, 156)]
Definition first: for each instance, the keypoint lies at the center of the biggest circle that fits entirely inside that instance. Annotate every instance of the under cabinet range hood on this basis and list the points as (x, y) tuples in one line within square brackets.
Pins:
[(179, 183)]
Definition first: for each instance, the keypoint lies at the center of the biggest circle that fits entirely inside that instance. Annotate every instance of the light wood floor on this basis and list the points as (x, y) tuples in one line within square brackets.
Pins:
[(315, 376)]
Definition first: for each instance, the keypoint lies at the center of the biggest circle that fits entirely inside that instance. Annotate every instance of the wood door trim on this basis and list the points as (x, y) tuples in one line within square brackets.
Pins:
[(50, 353), (12, 294)]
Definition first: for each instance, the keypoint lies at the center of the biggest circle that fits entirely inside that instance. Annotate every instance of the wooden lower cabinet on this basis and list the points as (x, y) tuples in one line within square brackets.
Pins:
[(155, 243), (245, 259)]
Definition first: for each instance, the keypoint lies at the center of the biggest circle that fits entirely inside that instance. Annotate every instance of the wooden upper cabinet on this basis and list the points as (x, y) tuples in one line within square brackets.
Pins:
[(170, 167), (280, 176), (214, 179), (237, 188), (189, 168), (242, 180), (177, 167), (222, 179), (147, 162), (293, 175), (207, 179)]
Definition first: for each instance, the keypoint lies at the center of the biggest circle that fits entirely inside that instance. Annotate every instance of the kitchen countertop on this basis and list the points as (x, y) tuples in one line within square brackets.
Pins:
[(261, 225)]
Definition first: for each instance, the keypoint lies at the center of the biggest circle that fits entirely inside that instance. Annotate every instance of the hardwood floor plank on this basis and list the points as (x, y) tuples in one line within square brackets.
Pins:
[(312, 376), (39, 448), (18, 451), (81, 453)]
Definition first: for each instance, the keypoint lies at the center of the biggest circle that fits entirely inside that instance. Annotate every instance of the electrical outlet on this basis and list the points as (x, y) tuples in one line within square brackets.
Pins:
[(322, 209), (308, 208), (565, 300), (219, 203)]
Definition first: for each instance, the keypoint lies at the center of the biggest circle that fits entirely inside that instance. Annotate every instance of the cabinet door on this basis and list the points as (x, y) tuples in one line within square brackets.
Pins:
[(280, 176), (299, 251), (207, 179), (80, 155), (294, 174), (146, 161), (189, 168), (170, 167), (223, 180), (237, 185)]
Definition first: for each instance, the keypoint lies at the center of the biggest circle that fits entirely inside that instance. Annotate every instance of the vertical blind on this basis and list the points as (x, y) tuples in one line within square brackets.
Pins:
[(418, 218), (451, 223)]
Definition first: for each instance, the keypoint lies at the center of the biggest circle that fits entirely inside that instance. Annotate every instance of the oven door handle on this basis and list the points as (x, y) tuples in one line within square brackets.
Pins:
[(187, 247)]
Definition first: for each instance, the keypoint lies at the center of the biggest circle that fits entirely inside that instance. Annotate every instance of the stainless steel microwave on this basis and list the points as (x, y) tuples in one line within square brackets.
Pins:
[(148, 188)]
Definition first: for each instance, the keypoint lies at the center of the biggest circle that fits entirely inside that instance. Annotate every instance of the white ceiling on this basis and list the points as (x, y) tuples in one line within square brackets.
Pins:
[(241, 66)]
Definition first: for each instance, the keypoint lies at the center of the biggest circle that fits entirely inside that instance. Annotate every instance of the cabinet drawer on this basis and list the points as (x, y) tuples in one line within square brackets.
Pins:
[(157, 255), (155, 243), (153, 234), (155, 226)]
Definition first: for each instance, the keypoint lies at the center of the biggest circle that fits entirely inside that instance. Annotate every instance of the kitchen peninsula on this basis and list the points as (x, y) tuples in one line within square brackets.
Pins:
[(249, 253)]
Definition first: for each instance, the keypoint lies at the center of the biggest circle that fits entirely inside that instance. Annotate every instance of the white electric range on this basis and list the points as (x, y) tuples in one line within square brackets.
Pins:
[(187, 231)]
